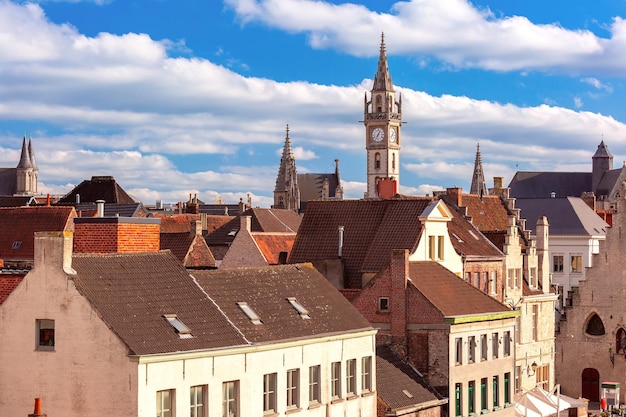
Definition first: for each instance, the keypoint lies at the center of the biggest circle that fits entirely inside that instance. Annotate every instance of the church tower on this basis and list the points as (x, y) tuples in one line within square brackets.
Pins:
[(478, 186), (27, 172), (383, 120), (602, 161), (286, 192)]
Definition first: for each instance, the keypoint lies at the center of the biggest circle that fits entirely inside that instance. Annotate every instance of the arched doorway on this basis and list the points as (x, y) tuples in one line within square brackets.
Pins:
[(591, 384)]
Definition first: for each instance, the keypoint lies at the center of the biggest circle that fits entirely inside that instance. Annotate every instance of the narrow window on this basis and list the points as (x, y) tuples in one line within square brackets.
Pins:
[(557, 263), (393, 161), (577, 263), (477, 280), (351, 377), (471, 349), (486, 283), (230, 399), (377, 160), (314, 384), (483, 394), (533, 277), (507, 343), (509, 278), (269, 392), (494, 282), (303, 312), (44, 334), (293, 383), (495, 345), (459, 351), (248, 311), (535, 322), (383, 304), (483, 347), (164, 403), (366, 374), (496, 397), (440, 247), (431, 248), (335, 380), (507, 388), (197, 399), (457, 399), (470, 397), (518, 274)]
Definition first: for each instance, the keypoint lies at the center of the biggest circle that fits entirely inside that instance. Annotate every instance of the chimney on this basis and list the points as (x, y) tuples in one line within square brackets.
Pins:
[(242, 206), (399, 272), (37, 412), (245, 223), (456, 195), (54, 249), (196, 228), (48, 200), (100, 205), (116, 234), (77, 198), (340, 249), (498, 182)]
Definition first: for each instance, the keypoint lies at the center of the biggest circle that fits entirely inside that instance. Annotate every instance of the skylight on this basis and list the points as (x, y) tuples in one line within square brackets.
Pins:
[(183, 331), (252, 315), (473, 235), (303, 312), (233, 232), (457, 237), (17, 244)]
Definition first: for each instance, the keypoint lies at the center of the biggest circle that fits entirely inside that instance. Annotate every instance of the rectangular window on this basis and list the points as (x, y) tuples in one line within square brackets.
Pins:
[(471, 349), (533, 277), (535, 322), (576, 263), (486, 283), (483, 394), (507, 388), (477, 280), (383, 304), (459, 351), (269, 392), (494, 282), (458, 396), (496, 396), (495, 345), (314, 384), (293, 382), (366, 374), (507, 343), (197, 399), (518, 278), (44, 334), (230, 399), (468, 276), (557, 263), (470, 397), (518, 375), (509, 278), (483, 347), (351, 377), (335, 380), (431, 248), (164, 403), (440, 247)]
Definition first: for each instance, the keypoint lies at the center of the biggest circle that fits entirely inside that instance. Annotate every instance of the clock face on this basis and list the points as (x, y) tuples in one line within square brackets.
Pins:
[(378, 134), (392, 134)]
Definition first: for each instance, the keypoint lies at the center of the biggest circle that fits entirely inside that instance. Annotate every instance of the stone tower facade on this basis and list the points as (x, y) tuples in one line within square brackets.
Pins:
[(383, 122), (602, 161), (27, 171), (478, 185), (286, 191)]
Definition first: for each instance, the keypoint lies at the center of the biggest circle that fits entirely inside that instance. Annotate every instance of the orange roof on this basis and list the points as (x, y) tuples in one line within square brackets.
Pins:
[(272, 244), (176, 223), (488, 213), (8, 283)]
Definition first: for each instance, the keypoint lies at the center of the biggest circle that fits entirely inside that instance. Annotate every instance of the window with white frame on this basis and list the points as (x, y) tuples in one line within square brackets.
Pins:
[(293, 391), (557, 263), (366, 374), (269, 393), (509, 278), (494, 282), (165, 403), (533, 277), (506, 343), (351, 377), (495, 345), (518, 278), (230, 399), (314, 384), (197, 401), (335, 380), (477, 280)]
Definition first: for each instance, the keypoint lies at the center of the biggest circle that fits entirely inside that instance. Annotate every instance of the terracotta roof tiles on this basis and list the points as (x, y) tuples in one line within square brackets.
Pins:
[(272, 244)]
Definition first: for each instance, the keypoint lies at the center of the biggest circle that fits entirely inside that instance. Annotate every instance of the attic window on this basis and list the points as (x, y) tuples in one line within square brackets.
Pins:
[(303, 312), (252, 315), (17, 244), (233, 232), (183, 331)]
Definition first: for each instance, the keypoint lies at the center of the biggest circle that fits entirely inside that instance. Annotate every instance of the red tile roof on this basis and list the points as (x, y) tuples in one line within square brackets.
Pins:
[(272, 244), (174, 223), (488, 213), (190, 249), (8, 282)]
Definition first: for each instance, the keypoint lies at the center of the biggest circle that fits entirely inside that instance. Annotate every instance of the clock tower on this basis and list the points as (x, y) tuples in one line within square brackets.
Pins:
[(383, 120)]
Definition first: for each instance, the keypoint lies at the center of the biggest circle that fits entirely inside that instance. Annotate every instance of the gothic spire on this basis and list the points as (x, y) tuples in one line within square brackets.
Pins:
[(478, 186), (25, 160), (31, 152), (382, 80)]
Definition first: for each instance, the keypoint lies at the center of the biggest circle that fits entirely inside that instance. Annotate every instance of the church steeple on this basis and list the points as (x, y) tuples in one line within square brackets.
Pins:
[(286, 191), (26, 170), (383, 120), (478, 186), (602, 161)]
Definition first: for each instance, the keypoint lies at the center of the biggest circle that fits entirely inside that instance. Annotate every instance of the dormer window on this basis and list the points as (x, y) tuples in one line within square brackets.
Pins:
[(248, 311), (303, 312), (179, 327)]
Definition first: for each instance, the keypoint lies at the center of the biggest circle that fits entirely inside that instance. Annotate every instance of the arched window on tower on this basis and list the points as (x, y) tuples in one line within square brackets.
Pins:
[(620, 341), (594, 326), (377, 160), (379, 106)]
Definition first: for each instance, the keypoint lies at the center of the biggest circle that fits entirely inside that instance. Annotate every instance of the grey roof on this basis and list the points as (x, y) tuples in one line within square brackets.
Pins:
[(530, 184), (566, 216), (611, 182), (602, 151), (97, 188), (311, 185), (114, 209), (8, 181)]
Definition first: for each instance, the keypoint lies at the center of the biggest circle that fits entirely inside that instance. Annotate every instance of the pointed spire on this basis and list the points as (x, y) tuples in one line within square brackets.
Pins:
[(603, 151), (25, 161), (31, 152), (286, 192), (478, 186), (382, 80)]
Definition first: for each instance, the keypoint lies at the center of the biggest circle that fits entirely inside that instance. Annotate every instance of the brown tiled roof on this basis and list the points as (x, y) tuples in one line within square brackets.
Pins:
[(488, 213), (272, 244), (97, 188), (468, 240), (395, 378), (266, 291), (177, 223), (19, 224), (192, 252), (132, 292), (451, 295), (8, 282)]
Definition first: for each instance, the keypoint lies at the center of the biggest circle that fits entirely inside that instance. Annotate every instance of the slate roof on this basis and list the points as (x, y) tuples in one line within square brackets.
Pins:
[(19, 224), (266, 291), (8, 181), (566, 216), (17, 201), (311, 186), (112, 210), (132, 292), (97, 188), (272, 244), (530, 184), (609, 180), (444, 290), (395, 378)]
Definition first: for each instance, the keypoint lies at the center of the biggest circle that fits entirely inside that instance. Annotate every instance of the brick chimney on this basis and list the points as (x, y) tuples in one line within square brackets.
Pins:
[(116, 234), (456, 195), (399, 271)]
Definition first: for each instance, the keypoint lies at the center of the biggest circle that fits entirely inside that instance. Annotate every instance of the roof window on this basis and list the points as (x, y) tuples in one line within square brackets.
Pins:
[(183, 331), (303, 312), (233, 232), (252, 315), (17, 244)]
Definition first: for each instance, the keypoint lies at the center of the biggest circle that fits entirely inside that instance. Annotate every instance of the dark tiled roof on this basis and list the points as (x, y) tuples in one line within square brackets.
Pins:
[(17, 201), (192, 252), (20, 224), (272, 244), (8, 181), (97, 188), (8, 282), (609, 180), (266, 291), (112, 210), (526, 184), (311, 185), (395, 378), (444, 290), (178, 243), (566, 216), (132, 292), (219, 209)]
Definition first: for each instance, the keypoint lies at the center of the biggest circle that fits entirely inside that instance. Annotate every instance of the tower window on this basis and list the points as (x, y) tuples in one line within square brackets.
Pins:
[(377, 160), (393, 161)]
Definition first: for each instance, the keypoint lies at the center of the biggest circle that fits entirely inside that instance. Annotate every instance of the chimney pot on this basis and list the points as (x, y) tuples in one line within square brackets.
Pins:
[(100, 204)]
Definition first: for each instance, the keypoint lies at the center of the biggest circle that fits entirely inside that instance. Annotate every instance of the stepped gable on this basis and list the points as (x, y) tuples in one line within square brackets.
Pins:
[(97, 188)]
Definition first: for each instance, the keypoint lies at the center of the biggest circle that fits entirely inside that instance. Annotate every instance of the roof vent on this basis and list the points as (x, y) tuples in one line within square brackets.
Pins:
[(552, 194)]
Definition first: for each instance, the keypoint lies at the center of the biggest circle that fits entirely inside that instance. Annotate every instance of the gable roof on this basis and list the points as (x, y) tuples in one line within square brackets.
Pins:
[(97, 188), (444, 290), (530, 184), (272, 244), (19, 224), (132, 292), (566, 216), (189, 249), (266, 290)]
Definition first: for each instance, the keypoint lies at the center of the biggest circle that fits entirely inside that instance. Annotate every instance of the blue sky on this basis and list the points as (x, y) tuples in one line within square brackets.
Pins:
[(174, 97)]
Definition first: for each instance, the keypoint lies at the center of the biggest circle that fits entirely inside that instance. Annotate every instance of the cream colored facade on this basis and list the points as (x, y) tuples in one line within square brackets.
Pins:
[(89, 372)]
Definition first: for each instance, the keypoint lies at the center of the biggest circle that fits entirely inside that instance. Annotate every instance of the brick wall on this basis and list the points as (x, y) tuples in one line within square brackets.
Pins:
[(116, 234)]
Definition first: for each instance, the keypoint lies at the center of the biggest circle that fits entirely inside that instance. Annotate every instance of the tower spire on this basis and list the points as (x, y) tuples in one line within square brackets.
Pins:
[(25, 160), (286, 191), (382, 80), (478, 186)]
